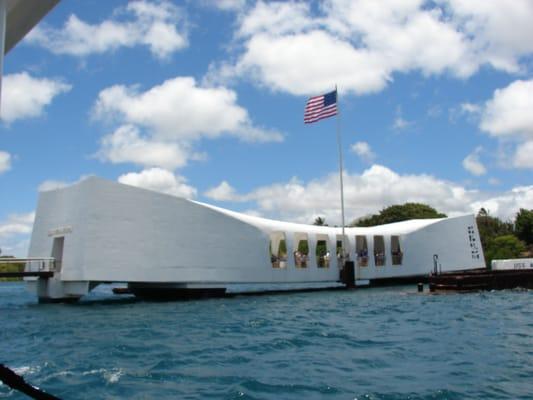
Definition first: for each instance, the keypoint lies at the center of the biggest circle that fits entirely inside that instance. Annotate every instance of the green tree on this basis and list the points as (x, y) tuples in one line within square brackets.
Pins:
[(320, 221), (524, 225), (397, 213), (503, 247), (491, 227), (11, 267)]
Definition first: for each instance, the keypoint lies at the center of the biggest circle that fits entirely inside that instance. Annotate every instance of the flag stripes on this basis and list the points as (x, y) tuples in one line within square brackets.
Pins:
[(320, 107)]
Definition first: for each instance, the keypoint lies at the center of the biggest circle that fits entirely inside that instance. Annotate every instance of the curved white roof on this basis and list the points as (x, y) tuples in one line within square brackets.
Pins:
[(397, 228)]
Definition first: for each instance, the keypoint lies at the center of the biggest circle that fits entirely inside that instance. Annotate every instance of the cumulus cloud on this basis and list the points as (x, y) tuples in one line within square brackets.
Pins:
[(158, 128), (363, 151), (26, 97), (361, 44), (207, 112), (508, 116), (160, 180), (496, 30), (505, 205), (14, 233), (473, 164), (523, 157), (16, 224), (5, 161), (366, 193), (223, 192), (160, 26), (509, 112), (127, 145), (376, 187)]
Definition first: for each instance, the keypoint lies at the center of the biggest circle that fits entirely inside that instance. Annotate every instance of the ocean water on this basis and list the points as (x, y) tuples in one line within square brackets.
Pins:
[(386, 343)]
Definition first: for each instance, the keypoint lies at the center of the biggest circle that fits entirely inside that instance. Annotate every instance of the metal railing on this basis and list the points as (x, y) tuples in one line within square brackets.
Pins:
[(35, 264)]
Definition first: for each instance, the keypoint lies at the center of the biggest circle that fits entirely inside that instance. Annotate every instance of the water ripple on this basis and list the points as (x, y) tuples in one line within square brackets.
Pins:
[(384, 344)]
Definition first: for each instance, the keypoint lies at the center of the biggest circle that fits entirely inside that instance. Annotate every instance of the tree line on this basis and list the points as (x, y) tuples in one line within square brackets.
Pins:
[(500, 239), (5, 267)]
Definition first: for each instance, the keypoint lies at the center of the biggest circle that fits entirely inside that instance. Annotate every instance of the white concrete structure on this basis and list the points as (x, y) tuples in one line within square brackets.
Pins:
[(512, 264), (102, 231)]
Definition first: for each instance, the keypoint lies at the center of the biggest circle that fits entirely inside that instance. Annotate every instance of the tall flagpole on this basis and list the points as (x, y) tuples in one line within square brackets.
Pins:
[(339, 143)]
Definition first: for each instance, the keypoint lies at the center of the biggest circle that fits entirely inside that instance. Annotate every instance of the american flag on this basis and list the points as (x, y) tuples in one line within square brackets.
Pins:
[(320, 107)]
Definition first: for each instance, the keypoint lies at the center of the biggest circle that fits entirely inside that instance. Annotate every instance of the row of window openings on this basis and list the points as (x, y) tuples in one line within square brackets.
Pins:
[(278, 251)]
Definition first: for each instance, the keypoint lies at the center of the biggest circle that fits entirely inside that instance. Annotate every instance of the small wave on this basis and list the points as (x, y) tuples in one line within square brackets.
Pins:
[(26, 369)]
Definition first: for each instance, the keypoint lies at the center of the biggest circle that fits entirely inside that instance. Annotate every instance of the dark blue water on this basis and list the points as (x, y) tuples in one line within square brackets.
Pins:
[(367, 344)]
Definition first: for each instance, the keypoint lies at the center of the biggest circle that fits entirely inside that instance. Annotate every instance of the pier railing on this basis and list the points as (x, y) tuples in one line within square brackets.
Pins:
[(43, 267)]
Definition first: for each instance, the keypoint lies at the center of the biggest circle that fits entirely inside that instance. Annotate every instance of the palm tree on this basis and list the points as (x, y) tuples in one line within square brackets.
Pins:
[(320, 221)]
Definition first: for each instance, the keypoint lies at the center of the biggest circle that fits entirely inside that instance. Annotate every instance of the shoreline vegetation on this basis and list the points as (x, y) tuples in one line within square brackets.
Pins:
[(4, 267)]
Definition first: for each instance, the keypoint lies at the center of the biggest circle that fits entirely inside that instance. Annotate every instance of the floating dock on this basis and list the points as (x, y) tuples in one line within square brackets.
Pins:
[(481, 279)]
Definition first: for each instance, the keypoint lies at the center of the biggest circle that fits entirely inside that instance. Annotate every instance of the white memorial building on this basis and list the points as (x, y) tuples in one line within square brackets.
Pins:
[(101, 231)]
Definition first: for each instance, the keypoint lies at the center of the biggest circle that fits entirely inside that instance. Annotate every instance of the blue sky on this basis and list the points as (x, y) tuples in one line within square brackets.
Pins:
[(205, 100)]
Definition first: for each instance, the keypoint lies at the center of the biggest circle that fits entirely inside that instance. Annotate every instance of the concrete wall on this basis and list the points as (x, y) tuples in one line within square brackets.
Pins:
[(119, 233)]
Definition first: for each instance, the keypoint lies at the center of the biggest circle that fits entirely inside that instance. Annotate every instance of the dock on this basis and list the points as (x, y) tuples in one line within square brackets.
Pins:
[(33, 267), (481, 279)]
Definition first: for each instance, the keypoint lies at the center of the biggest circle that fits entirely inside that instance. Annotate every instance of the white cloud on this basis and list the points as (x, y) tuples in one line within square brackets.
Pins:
[(49, 185), (523, 157), (24, 96), (276, 18), (363, 150), (127, 145), (158, 127), (277, 62), (16, 248), (496, 30), (16, 224), (470, 108), (160, 180), (5, 161), (226, 5), (146, 23), (472, 163), (509, 112), (223, 192), (400, 123), (205, 112), (375, 188), (14, 233), (361, 44), (508, 116), (505, 205), (367, 193)]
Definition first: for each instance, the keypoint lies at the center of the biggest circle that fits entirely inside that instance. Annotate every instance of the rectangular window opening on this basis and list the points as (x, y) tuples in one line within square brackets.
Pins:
[(396, 250), (301, 254), (322, 251), (379, 251), (362, 251), (278, 250)]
